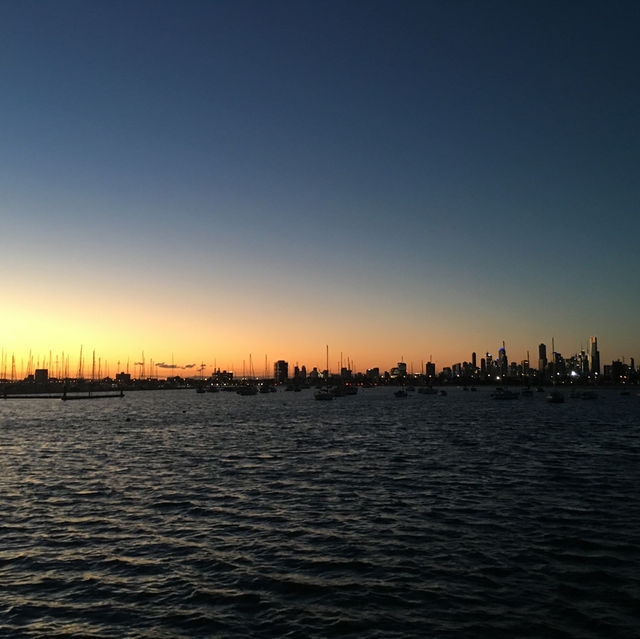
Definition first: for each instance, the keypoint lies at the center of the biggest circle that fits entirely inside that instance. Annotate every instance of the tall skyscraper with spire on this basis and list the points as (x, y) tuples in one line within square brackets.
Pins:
[(503, 362), (594, 355)]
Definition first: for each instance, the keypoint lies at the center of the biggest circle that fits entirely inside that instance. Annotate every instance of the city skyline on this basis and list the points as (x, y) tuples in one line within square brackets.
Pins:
[(394, 179), (90, 363)]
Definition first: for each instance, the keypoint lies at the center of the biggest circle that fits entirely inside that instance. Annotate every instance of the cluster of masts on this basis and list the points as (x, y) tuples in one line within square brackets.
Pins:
[(58, 366)]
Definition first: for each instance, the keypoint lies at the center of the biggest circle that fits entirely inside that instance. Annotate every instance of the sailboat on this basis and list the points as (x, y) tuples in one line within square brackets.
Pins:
[(325, 394), (201, 388), (90, 394), (248, 386)]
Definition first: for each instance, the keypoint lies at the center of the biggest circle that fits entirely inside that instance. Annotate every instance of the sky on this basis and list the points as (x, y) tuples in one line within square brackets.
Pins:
[(210, 181)]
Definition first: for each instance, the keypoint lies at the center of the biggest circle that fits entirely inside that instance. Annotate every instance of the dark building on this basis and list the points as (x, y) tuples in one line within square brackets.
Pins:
[(222, 377), (503, 362), (399, 371), (488, 360), (617, 371), (42, 375), (373, 374), (559, 365), (300, 374), (280, 372), (595, 356), (542, 358)]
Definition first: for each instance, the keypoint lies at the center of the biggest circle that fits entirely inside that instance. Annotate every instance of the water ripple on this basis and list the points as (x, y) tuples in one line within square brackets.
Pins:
[(172, 514)]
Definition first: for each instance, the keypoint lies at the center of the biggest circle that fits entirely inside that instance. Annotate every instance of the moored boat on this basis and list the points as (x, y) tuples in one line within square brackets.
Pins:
[(427, 390), (325, 394), (504, 393), (248, 389), (555, 397)]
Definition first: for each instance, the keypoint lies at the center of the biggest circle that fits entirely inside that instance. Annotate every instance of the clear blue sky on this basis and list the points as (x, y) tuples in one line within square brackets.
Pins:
[(441, 175)]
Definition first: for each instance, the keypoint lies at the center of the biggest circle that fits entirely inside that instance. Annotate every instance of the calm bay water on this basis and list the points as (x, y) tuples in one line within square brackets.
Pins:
[(172, 514)]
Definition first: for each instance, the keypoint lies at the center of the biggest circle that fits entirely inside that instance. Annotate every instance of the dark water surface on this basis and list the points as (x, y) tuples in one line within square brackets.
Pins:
[(172, 514)]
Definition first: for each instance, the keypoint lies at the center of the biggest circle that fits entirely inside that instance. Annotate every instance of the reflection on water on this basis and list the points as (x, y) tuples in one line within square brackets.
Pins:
[(173, 514)]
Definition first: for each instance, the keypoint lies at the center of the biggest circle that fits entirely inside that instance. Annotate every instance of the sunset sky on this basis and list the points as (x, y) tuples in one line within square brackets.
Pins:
[(205, 180)]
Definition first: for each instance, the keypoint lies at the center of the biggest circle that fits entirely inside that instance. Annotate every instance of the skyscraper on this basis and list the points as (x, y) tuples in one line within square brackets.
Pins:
[(280, 371), (542, 358), (503, 361), (595, 356)]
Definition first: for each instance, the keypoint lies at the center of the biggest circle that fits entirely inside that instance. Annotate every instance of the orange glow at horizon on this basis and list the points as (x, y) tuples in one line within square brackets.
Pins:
[(52, 325), (224, 327), (55, 341)]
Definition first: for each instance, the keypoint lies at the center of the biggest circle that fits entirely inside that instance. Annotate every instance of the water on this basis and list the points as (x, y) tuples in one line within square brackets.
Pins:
[(172, 514)]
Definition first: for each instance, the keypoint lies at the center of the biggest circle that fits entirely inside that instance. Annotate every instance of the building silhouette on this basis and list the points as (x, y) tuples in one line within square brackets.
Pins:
[(399, 371), (430, 371), (280, 372), (595, 356), (542, 359), (503, 362)]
